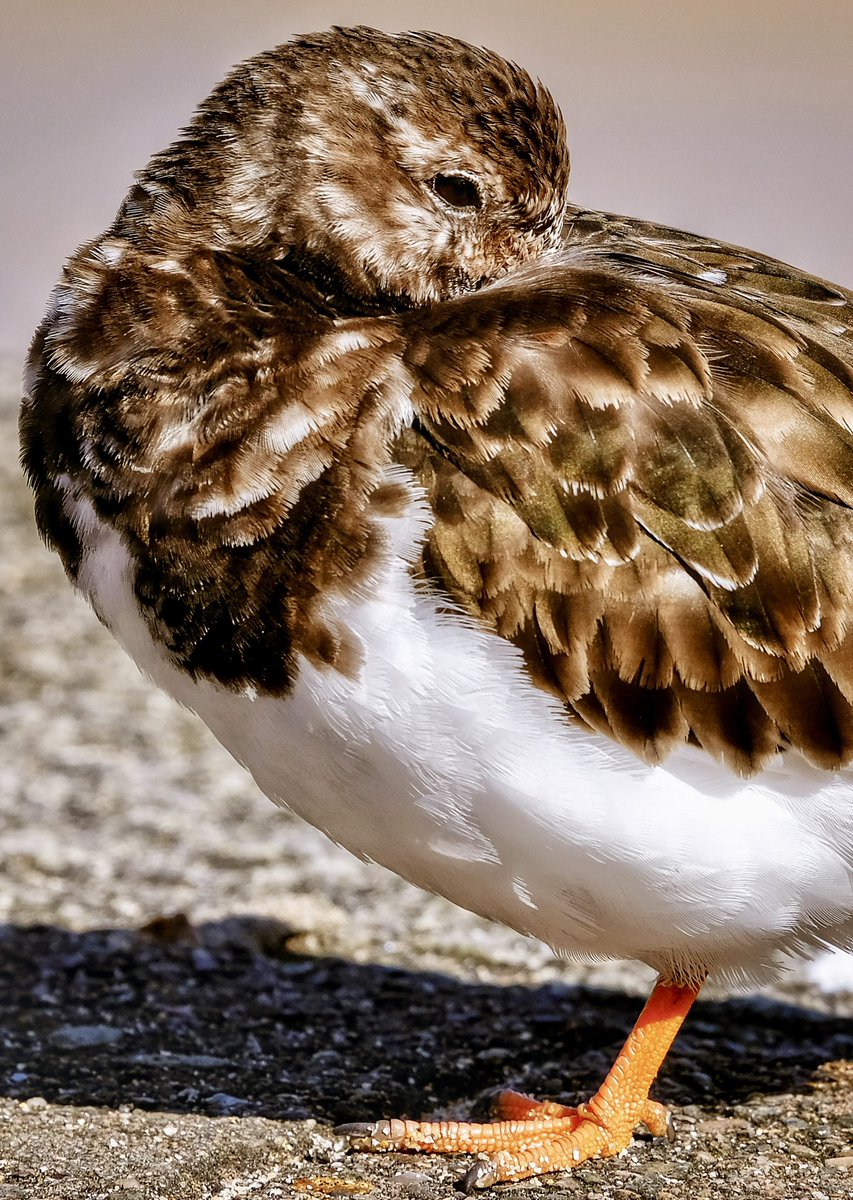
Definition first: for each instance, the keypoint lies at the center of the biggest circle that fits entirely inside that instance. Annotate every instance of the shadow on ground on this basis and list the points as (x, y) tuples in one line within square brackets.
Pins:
[(229, 1019)]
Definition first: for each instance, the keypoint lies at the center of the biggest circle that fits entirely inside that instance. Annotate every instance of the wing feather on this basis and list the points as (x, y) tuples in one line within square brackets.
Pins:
[(640, 459)]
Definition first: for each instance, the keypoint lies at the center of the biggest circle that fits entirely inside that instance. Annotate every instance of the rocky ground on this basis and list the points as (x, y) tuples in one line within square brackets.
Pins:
[(194, 987)]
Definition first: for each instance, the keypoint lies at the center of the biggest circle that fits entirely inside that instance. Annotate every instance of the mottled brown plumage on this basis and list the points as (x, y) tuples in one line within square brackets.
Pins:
[(348, 398), (637, 448), (231, 298), (646, 484)]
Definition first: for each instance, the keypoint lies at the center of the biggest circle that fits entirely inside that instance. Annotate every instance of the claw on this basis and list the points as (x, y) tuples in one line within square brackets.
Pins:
[(374, 1132), (671, 1132), (482, 1175), (356, 1129)]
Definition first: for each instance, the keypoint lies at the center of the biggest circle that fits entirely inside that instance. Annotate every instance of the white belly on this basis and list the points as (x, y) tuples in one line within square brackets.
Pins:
[(442, 762)]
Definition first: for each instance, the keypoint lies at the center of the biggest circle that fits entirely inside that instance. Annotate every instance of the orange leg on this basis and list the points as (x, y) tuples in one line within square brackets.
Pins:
[(535, 1137)]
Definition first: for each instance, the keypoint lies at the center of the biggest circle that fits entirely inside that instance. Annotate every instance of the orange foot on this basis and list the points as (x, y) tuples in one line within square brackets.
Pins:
[(532, 1138)]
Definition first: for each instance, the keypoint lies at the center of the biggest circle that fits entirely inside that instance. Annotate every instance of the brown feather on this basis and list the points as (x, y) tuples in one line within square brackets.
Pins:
[(637, 449), (670, 422), (812, 713), (732, 725)]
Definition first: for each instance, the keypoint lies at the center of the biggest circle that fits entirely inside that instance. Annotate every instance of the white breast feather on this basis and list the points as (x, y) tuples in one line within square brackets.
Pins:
[(444, 763)]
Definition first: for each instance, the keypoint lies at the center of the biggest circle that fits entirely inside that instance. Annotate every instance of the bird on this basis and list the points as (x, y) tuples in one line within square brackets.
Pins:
[(507, 542)]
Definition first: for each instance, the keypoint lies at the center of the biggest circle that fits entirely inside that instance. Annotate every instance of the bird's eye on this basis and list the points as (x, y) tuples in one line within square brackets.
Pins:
[(457, 190)]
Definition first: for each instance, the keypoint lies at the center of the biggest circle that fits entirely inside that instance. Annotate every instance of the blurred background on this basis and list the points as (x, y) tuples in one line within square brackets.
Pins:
[(731, 119)]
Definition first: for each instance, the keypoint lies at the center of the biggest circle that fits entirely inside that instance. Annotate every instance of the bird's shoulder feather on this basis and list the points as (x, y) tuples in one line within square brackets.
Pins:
[(639, 456)]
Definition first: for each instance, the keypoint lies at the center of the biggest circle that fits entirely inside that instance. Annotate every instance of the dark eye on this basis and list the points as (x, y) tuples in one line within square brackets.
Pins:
[(457, 190)]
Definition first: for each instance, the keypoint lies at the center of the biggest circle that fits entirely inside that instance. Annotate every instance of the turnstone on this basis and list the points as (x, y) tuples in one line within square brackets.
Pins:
[(509, 544)]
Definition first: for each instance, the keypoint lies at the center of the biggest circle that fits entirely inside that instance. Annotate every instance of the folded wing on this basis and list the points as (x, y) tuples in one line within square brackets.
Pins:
[(640, 458)]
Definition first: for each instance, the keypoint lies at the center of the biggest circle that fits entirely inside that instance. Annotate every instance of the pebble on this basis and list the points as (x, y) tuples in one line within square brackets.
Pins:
[(801, 1151), (725, 1125), (415, 1184), (225, 1105), (80, 1037)]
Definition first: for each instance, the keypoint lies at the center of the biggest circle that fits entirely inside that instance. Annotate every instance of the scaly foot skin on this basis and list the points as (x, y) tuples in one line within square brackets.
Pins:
[(548, 1137), (533, 1137)]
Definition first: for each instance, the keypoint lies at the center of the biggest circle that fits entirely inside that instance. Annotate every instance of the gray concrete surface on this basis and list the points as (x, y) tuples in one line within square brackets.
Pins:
[(203, 1056)]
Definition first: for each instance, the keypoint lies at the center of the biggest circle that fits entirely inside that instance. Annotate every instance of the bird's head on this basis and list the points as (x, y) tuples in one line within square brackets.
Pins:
[(408, 168)]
